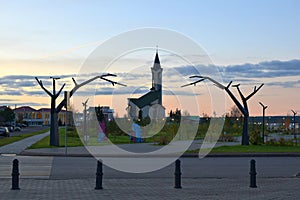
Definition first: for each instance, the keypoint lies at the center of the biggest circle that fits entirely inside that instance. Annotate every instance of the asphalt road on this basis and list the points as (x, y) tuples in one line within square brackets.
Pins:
[(27, 130), (216, 167), (191, 167)]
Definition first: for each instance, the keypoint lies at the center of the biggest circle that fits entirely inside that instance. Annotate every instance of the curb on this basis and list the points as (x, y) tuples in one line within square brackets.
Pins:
[(190, 155)]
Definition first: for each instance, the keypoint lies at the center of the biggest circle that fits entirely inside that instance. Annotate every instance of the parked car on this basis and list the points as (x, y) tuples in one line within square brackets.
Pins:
[(21, 125), (17, 128), (4, 131), (10, 128)]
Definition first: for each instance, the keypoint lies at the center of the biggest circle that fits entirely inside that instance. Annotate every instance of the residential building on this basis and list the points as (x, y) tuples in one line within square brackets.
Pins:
[(40, 117)]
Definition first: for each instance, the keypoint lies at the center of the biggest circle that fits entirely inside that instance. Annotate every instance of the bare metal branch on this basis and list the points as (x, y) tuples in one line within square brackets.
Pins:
[(77, 86), (240, 92), (62, 87), (42, 86), (193, 83), (196, 76), (108, 74), (219, 85), (254, 91), (236, 85), (229, 85), (74, 81), (113, 82)]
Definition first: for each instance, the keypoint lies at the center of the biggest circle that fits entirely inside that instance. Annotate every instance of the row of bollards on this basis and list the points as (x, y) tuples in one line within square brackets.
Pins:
[(178, 174), (99, 175)]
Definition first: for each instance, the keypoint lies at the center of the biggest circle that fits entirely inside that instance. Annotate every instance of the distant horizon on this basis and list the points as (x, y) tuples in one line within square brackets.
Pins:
[(167, 114)]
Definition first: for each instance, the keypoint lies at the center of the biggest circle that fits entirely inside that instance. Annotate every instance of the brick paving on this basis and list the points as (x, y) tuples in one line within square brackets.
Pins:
[(155, 188)]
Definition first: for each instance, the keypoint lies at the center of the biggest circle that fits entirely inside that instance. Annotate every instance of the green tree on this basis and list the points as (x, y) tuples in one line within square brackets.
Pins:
[(7, 114)]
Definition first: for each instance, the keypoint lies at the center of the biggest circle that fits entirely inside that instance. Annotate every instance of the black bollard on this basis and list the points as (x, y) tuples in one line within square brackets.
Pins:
[(99, 175), (177, 175), (252, 174), (15, 175)]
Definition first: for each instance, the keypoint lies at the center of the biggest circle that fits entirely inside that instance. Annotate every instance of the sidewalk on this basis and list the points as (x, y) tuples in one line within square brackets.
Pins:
[(204, 188), (109, 150), (19, 146)]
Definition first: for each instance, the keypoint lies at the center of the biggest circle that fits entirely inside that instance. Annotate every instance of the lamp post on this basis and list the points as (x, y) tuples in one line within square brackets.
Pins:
[(263, 123), (84, 122), (295, 113)]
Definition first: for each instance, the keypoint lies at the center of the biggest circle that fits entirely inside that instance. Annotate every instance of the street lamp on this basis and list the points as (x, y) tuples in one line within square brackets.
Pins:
[(295, 113), (85, 137), (263, 123)]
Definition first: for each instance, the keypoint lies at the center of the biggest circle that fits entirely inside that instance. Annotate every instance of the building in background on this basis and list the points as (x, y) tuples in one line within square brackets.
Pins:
[(40, 117), (107, 112)]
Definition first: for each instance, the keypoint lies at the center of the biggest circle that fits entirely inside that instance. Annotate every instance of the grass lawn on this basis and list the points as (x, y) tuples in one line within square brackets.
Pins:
[(44, 143), (253, 149), (75, 141), (8, 140)]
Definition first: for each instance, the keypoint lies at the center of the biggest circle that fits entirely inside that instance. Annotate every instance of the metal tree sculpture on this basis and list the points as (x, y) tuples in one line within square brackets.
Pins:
[(54, 136), (53, 114), (243, 108)]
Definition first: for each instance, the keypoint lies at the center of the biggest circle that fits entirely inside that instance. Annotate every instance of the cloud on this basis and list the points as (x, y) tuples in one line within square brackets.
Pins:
[(274, 71), (113, 91), (181, 93), (11, 92), (268, 69), (285, 84), (7, 100), (248, 73)]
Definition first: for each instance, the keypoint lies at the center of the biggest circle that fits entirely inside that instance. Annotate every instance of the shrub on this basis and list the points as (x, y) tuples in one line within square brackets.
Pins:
[(163, 139), (226, 138), (282, 142), (255, 138), (271, 142)]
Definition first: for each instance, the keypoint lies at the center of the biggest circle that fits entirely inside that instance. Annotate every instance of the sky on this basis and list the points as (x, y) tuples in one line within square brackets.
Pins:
[(250, 42)]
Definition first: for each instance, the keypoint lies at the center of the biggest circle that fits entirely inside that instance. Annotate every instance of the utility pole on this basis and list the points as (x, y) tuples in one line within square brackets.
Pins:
[(263, 123), (295, 113)]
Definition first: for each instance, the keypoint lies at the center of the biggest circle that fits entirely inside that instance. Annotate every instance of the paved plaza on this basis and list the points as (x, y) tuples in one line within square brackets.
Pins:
[(60, 177), (156, 188)]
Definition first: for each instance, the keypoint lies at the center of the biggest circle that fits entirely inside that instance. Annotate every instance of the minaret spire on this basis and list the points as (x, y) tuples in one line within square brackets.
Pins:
[(156, 60)]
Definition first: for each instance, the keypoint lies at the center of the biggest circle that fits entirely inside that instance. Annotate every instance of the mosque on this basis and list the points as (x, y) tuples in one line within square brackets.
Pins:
[(150, 104)]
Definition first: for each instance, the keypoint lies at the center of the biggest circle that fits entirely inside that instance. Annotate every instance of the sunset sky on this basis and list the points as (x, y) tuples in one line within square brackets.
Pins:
[(248, 42)]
